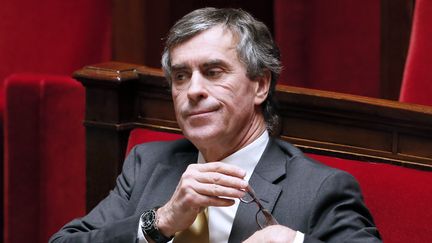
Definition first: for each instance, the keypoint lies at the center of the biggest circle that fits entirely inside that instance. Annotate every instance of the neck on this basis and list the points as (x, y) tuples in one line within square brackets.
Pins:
[(223, 149)]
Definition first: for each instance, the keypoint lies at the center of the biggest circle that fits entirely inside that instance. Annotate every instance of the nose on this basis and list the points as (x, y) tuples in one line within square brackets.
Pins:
[(197, 88)]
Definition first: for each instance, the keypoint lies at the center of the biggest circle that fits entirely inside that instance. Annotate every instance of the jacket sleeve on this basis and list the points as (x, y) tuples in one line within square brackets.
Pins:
[(107, 222), (339, 213)]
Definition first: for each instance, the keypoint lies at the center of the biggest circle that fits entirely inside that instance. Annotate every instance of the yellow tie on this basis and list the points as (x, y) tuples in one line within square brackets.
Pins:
[(196, 233)]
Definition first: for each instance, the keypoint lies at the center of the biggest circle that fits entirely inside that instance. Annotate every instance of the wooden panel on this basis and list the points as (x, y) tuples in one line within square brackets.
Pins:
[(337, 133), (418, 146), (356, 126), (105, 150)]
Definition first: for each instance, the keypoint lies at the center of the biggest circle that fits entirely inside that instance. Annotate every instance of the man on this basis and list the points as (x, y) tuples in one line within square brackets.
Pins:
[(223, 66)]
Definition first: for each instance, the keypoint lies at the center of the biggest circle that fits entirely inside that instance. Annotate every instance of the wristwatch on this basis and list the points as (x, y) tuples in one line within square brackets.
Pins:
[(149, 227)]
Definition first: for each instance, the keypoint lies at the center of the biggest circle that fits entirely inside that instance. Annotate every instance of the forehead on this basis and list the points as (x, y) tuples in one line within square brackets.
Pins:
[(216, 43)]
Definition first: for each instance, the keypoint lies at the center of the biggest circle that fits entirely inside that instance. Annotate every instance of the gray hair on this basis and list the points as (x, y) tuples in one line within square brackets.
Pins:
[(255, 48)]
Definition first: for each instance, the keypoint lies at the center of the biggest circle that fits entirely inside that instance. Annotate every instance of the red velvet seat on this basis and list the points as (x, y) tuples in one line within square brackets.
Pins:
[(399, 198), (44, 155)]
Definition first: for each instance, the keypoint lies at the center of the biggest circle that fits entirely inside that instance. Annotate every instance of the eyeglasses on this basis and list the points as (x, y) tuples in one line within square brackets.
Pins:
[(263, 217)]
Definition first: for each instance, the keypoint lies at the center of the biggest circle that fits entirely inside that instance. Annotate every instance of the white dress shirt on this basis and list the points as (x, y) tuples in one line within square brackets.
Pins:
[(220, 219)]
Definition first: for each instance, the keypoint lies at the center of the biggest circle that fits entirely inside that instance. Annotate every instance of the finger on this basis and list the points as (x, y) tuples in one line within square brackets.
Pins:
[(221, 179), (216, 173), (220, 202), (194, 199), (215, 190), (222, 168), (216, 202)]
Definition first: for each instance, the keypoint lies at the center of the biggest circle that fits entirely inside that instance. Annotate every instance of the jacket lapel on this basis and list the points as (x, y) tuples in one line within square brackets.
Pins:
[(271, 167)]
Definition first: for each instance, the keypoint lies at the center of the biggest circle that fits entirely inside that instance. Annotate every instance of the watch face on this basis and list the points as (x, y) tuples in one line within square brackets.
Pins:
[(148, 220)]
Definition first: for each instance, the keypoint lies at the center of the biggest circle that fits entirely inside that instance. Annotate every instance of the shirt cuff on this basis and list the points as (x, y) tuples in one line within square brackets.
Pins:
[(299, 237), (140, 236)]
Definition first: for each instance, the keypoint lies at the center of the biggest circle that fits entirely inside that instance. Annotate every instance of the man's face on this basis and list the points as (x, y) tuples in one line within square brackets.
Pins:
[(215, 102)]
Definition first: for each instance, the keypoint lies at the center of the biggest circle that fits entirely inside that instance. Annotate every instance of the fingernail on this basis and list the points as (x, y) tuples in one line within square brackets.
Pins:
[(244, 184)]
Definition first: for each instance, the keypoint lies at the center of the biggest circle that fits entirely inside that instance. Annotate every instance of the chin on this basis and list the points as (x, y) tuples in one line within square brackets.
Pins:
[(200, 136)]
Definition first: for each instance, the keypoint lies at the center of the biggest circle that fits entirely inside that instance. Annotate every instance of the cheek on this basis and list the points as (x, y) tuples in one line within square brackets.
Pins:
[(177, 102), (226, 94), (240, 100)]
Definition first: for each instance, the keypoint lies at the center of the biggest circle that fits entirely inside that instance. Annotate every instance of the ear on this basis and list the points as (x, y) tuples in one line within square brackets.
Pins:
[(262, 87)]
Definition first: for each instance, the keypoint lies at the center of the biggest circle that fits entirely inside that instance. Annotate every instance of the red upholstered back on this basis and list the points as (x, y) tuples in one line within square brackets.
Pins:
[(138, 136), (44, 155), (399, 198), (417, 81)]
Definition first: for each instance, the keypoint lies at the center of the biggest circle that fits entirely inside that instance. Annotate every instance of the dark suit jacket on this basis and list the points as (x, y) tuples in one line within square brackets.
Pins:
[(324, 203)]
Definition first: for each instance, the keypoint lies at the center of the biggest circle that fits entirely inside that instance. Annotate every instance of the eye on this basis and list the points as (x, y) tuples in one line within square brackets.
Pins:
[(214, 72), (179, 76)]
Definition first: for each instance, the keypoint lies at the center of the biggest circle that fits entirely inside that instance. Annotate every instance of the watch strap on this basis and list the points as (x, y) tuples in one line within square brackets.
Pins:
[(149, 226)]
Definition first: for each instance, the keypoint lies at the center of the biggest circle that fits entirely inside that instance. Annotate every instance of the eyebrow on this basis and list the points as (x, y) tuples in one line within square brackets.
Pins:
[(177, 67), (215, 62), (209, 63)]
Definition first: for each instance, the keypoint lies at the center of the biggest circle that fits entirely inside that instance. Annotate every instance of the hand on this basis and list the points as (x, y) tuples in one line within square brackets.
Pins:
[(201, 185), (273, 233)]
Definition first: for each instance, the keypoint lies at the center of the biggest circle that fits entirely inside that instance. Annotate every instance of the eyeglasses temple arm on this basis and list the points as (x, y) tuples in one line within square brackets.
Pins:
[(272, 220)]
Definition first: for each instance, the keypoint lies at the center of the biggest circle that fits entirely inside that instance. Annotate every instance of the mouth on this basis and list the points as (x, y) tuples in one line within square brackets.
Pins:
[(199, 113)]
